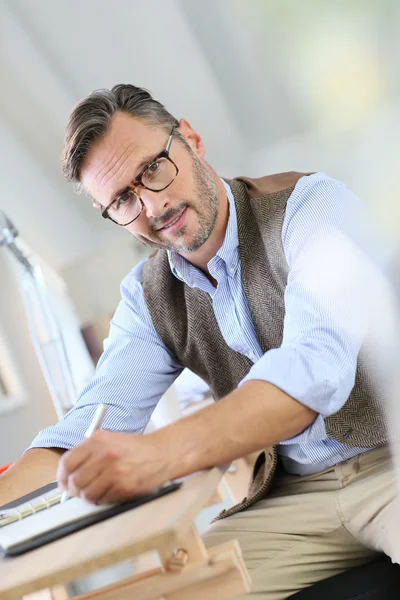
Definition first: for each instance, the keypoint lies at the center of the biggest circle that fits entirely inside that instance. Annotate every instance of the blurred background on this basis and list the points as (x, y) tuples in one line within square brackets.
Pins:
[(271, 85)]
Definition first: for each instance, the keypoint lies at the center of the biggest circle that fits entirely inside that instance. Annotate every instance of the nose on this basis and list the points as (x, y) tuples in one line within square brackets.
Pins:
[(155, 203)]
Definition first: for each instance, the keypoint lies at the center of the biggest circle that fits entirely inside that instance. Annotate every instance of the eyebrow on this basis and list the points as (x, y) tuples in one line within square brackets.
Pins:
[(146, 161)]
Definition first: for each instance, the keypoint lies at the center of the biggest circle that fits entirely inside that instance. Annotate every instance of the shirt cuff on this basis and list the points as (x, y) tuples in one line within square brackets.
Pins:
[(56, 436)]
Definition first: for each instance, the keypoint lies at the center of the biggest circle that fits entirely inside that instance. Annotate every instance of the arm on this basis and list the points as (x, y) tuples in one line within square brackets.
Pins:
[(256, 415), (112, 467), (35, 468)]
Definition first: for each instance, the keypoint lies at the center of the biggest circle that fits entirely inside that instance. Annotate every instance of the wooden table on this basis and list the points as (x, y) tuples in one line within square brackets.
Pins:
[(166, 525)]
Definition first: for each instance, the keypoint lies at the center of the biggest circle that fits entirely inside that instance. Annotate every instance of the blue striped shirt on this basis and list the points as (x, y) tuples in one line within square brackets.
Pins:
[(326, 240)]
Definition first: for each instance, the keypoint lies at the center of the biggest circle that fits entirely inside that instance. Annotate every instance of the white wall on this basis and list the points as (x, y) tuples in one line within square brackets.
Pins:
[(94, 282), (19, 427)]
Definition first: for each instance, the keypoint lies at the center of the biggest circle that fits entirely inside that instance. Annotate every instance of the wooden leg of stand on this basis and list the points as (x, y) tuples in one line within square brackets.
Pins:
[(223, 586), (222, 576), (59, 592), (227, 585)]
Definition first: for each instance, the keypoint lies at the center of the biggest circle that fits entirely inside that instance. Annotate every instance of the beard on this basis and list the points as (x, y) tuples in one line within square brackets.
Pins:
[(205, 206)]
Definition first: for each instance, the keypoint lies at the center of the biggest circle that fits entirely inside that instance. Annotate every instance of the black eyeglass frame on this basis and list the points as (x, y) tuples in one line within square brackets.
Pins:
[(138, 182)]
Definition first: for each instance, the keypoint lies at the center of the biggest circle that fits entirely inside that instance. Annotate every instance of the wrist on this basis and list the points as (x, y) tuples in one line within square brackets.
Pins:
[(165, 448), (178, 449)]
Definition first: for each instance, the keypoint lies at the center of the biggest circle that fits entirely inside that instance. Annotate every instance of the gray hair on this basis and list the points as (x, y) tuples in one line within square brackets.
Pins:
[(91, 119)]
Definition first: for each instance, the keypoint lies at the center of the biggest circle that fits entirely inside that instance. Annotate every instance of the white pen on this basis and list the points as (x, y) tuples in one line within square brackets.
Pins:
[(94, 426)]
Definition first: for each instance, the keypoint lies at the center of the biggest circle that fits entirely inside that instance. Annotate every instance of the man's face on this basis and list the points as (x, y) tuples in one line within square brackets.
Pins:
[(116, 160)]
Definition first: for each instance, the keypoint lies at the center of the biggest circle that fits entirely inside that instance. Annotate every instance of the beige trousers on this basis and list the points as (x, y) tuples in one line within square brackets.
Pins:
[(310, 528)]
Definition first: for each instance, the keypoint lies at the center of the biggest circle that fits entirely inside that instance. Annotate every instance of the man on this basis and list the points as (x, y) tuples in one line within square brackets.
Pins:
[(262, 288)]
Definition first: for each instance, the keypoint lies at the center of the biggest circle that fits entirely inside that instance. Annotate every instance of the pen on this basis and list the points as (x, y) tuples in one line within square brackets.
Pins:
[(94, 426)]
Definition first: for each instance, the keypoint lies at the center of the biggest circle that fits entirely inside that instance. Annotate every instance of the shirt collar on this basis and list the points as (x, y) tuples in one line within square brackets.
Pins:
[(228, 253)]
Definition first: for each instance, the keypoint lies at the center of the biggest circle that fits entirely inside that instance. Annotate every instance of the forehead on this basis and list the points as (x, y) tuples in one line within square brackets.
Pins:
[(111, 162)]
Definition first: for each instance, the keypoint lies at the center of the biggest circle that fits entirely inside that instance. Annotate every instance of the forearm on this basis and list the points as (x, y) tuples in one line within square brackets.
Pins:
[(254, 416), (35, 468)]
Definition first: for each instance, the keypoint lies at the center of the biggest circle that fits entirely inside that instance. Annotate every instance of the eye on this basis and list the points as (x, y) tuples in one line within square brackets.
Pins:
[(153, 168), (123, 200)]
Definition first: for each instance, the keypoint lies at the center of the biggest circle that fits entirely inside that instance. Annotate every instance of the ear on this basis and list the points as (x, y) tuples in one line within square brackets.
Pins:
[(97, 205), (192, 137)]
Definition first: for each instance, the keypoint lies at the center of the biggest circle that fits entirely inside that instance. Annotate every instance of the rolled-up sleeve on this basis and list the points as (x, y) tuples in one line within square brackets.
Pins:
[(133, 372), (331, 252)]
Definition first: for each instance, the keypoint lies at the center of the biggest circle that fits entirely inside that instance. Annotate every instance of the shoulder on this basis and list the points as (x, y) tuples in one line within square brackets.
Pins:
[(321, 206), (133, 281), (136, 290), (317, 184), (319, 198), (131, 289), (131, 313)]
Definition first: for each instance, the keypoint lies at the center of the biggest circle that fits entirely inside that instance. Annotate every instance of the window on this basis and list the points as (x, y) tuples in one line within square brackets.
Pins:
[(11, 391), (3, 389)]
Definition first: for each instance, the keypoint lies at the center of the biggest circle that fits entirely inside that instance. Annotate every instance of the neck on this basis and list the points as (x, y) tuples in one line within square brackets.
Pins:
[(201, 257)]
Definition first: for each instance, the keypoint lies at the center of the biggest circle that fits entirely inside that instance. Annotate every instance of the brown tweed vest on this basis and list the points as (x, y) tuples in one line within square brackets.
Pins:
[(185, 320)]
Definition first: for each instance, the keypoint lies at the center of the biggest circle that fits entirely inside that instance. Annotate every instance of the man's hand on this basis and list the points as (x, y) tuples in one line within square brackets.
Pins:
[(113, 467)]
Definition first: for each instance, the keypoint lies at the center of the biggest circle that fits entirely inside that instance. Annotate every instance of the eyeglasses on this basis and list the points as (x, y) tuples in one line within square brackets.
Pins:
[(156, 177)]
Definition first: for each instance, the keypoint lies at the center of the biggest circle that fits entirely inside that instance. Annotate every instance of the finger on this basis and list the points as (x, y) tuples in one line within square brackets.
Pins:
[(120, 491), (97, 489), (85, 474), (109, 491), (70, 461), (113, 494)]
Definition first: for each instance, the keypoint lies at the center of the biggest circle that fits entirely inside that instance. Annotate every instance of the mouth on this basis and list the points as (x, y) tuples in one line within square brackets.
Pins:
[(175, 224)]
